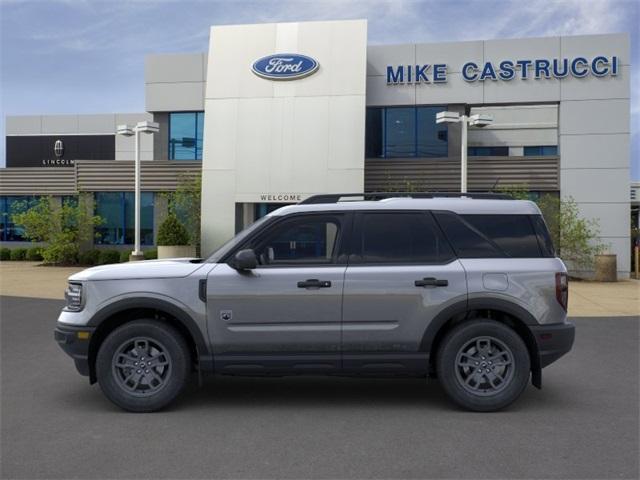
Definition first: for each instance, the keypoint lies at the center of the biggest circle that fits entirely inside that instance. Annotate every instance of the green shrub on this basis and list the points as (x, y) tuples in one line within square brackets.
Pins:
[(124, 256), (18, 254), (34, 254), (62, 228), (61, 254), (5, 253), (150, 254), (172, 232), (108, 256), (90, 257)]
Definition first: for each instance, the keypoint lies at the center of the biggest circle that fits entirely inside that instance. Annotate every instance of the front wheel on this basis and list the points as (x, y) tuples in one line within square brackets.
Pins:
[(143, 365), (483, 365)]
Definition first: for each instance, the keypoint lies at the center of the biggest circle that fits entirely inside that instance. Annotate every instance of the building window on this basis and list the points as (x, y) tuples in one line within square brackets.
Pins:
[(405, 132), (488, 151), (541, 151), (117, 212), (185, 135), (9, 206)]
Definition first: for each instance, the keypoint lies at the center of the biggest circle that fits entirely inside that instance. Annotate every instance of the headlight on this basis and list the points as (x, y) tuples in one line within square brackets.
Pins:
[(73, 296)]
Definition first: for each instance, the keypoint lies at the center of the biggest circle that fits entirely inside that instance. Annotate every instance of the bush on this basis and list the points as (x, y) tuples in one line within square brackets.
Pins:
[(172, 232), (61, 253), (5, 254), (150, 254), (34, 254), (124, 256), (18, 254), (62, 228), (90, 257), (108, 256)]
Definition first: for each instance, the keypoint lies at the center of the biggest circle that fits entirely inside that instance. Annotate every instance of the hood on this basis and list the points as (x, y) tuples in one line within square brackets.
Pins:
[(167, 268)]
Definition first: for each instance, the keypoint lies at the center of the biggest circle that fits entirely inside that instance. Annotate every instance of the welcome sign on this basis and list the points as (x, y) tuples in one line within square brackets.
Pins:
[(507, 70)]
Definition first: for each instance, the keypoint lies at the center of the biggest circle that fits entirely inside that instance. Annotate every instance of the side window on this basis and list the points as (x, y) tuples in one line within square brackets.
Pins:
[(300, 241), (544, 239), (467, 241), (402, 238), (514, 234)]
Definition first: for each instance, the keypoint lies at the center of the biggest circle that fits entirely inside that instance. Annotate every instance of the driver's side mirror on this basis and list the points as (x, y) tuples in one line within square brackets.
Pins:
[(245, 260)]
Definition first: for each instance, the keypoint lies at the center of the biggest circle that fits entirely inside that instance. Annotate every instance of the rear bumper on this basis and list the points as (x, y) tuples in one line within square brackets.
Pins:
[(75, 343), (553, 341)]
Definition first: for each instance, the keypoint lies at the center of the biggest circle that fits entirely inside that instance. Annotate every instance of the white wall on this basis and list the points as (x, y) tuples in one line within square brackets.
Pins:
[(296, 137)]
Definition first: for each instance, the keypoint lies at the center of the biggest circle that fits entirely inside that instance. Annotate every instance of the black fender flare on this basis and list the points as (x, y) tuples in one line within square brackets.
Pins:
[(205, 359), (464, 306)]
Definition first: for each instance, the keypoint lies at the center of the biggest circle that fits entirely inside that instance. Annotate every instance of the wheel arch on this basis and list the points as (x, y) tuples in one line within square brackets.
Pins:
[(126, 310), (500, 310)]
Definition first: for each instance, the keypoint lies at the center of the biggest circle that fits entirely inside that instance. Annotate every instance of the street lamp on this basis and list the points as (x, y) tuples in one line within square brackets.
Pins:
[(127, 131), (477, 120)]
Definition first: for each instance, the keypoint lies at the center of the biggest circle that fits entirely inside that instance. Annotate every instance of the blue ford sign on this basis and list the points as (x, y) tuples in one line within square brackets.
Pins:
[(285, 66)]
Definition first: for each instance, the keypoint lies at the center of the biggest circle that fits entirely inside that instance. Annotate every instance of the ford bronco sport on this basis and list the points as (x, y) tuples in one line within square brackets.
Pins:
[(465, 289)]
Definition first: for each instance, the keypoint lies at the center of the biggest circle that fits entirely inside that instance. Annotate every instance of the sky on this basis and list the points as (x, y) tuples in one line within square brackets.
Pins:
[(87, 56)]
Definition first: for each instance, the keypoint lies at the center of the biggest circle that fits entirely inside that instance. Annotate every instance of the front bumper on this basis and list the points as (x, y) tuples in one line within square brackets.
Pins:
[(553, 341), (75, 343)]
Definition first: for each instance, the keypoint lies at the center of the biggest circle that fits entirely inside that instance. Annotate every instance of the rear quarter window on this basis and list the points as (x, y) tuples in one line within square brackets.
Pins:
[(491, 236), (513, 234)]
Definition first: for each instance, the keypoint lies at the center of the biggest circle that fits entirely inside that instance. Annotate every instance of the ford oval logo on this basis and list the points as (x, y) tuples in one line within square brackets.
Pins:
[(284, 66)]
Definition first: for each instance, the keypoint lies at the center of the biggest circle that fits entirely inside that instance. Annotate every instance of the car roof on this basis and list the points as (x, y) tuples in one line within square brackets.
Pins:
[(460, 205)]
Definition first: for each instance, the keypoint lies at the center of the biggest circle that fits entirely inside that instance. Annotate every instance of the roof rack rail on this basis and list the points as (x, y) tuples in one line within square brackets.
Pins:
[(336, 197)]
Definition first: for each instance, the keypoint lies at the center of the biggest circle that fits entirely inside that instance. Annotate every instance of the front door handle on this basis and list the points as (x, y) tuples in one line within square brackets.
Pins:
[(431, 282), (314, 283)]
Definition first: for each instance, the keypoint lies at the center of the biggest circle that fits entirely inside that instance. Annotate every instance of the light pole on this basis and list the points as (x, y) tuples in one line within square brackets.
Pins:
[(478, 120), (127, 131)]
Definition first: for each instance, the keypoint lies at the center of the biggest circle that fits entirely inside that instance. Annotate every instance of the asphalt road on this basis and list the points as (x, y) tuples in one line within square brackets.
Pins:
[(582, 424)]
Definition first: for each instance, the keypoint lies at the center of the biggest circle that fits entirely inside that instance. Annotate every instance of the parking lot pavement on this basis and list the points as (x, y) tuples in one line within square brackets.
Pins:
[(582, 424)]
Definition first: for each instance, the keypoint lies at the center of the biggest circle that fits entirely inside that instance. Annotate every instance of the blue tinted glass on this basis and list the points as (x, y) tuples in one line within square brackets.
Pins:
[(400, 126), (9, 206), (488, 151), (374, 133), (432, 137), (185, 135), (199, 134), (117, 212), (541, 150)]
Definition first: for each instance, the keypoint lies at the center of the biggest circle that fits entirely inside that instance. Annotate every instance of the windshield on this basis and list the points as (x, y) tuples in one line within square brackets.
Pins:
[(229, 244)]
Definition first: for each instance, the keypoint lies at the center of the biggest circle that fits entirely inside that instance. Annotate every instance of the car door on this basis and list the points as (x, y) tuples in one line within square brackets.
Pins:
[(286, 313), (401, 274)]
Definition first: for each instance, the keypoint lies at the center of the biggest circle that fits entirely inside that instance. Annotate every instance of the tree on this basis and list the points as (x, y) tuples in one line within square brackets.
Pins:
[(184, 203), (172, 232), (576, 238), (61, 227)]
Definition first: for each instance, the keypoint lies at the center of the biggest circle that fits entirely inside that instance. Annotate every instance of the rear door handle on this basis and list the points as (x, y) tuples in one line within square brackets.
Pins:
[(431, 282), (314, 283)]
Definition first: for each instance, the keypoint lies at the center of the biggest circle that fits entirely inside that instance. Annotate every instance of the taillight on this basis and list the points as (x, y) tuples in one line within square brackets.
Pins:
[(562, 289)]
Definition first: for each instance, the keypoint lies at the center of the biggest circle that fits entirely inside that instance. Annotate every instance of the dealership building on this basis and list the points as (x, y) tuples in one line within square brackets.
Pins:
[(274, 113)]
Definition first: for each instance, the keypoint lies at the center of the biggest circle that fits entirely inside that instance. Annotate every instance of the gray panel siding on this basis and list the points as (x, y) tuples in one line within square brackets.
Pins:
[(94, 176), (538, 173)]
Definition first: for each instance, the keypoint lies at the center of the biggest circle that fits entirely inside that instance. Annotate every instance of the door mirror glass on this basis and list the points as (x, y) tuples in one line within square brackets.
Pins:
[(245, 260)]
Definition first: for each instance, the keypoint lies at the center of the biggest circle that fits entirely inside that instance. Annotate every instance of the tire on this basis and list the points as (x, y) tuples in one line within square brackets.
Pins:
[(492, 347), (139, 385)]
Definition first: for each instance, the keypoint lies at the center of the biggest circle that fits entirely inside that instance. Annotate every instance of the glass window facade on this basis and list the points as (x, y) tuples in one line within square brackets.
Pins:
[(185, 135), (488, 151), (10, 205), (117, 212), (541, 151), (405, 132)]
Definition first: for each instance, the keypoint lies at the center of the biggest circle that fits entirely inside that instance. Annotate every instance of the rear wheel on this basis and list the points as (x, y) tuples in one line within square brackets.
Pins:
[(483, 365), (143, 365)]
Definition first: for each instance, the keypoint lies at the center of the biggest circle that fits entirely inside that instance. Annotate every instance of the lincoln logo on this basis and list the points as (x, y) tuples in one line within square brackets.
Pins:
[(285, 66), (58, 148)]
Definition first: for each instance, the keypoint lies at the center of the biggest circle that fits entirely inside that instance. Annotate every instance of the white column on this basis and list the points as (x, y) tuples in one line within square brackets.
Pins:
[(136, 248), (463, 155)]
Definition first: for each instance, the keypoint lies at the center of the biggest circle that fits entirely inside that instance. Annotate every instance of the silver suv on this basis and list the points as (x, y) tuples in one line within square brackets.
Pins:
[(467, 290)]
